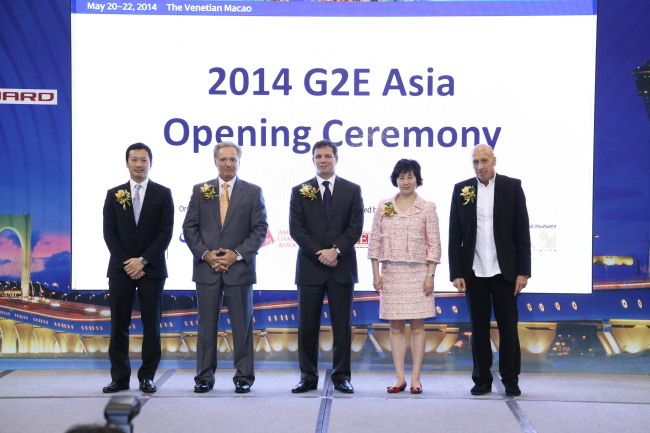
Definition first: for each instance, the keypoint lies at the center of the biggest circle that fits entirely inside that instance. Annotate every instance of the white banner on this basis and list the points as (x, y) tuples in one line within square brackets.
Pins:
[(426, 88)]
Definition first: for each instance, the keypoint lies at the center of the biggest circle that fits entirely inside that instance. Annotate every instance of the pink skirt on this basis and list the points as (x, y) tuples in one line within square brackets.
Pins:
[(402, 296)]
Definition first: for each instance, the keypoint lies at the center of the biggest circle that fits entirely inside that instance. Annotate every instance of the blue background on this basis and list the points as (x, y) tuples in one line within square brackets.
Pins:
[(35, 149)]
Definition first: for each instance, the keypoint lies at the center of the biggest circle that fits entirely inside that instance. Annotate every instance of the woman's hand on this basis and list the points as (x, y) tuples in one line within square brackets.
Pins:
[(428, 285), (376, 283)]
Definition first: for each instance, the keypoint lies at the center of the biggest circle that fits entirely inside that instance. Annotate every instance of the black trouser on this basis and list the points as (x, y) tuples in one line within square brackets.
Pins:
[(310, 306), (484, 294), (122, 292)]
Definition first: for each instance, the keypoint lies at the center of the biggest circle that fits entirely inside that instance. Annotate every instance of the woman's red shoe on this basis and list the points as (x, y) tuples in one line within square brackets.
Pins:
[(396, 389)]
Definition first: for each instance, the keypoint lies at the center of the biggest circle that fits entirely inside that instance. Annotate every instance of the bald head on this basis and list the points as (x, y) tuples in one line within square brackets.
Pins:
[(484, 161)]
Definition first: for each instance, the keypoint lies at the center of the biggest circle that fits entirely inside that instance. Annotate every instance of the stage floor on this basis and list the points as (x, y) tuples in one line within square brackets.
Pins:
[(54, 400)]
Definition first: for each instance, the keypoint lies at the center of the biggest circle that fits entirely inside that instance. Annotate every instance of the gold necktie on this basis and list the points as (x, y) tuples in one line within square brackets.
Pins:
[(223, 202)]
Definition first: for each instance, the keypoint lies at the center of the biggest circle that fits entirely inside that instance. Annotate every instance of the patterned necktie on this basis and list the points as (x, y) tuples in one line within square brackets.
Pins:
[(224, 200), (327, 197), (137, 203)]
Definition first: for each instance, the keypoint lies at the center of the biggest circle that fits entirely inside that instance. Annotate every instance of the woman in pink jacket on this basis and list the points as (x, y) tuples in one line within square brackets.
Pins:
[(405, 238)]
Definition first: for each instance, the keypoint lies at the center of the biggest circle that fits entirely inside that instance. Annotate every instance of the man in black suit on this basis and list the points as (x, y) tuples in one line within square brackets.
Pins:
[(224, 228), (489, 261), (138, 224), (326, 220)]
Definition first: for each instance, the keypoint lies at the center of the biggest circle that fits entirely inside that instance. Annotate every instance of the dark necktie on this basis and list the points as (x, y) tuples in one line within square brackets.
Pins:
[(327, 197)]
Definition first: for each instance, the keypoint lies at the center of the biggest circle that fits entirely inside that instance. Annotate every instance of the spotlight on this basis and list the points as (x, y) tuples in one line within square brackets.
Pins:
[(120, 411)]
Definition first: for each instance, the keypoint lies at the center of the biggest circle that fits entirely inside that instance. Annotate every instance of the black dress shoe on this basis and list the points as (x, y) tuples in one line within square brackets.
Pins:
[(481, 388), (242, 387), (115, 387), (344, 386), (148, 386), (202, 386), (303, 386), (512, 390)]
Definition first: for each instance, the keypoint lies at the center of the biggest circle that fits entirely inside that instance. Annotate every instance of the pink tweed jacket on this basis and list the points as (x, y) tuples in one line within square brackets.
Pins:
[(409, 236)]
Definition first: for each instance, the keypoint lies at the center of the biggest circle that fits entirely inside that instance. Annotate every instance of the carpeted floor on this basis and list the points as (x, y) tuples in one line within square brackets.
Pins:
[(54, 400)]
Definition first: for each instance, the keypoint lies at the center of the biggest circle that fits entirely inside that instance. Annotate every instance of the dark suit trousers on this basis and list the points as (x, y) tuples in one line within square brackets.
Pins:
[(482, 295), (310, 306), (239, 300), (122, 293)]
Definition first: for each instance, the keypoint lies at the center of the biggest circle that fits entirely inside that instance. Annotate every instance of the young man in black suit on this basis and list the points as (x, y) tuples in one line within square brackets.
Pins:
[(326, 220), (138, 224), (489, 261)]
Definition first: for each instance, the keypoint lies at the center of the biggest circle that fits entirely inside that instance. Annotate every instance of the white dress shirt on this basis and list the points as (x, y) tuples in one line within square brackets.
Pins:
[(486, 263), (320, 181), (231, 184), (143, 190)]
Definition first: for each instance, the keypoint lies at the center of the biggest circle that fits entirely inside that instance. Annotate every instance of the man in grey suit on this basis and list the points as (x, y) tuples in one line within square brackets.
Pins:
[(224, 227)]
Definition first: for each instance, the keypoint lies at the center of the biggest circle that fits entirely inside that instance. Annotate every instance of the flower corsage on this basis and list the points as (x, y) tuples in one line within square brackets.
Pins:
[(308, 191), (208, 192), (468, 193), (388, 209), (123, 197)]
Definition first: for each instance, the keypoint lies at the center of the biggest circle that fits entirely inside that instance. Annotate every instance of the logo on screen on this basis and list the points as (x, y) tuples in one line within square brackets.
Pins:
[(269, 239), (543, 237), (285, 240), (28, 96), (363, 240)]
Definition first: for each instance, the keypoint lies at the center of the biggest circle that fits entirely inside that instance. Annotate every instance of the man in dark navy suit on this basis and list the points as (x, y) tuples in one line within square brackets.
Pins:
[(138, 224), (326, 220), (489, 261)]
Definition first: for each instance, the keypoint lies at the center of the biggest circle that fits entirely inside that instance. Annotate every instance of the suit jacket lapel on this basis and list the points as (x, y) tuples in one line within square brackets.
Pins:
[(130, 214), (471, 207), (418, 204), (336, 198), (498, 201), (148, 197), (214, 203), (320, 203)]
